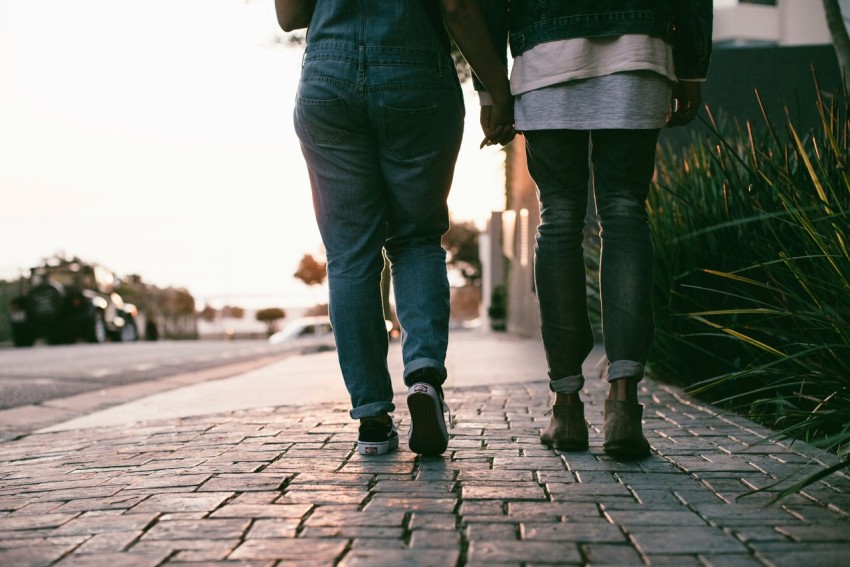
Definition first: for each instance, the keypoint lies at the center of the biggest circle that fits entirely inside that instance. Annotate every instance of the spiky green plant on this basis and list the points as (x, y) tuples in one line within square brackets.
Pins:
[(752, 292)]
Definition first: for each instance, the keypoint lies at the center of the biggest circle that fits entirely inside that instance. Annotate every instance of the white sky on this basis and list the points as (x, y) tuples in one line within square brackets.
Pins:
[(155, 137)]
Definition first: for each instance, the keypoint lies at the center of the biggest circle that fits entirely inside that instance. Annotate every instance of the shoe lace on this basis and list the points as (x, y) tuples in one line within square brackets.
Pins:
[(447, 409)]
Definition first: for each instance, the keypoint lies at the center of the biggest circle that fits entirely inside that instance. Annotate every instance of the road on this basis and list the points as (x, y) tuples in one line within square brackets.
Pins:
[(42, 373)]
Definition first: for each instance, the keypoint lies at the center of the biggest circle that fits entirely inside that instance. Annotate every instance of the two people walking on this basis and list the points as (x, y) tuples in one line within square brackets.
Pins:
[(379, 114)]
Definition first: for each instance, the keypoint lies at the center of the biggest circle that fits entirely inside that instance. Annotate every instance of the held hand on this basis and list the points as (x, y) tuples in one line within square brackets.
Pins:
[(685, 104), (497, 123)]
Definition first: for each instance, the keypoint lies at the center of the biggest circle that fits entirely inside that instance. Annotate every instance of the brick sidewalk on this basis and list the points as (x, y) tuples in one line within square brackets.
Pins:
[(284, 486)]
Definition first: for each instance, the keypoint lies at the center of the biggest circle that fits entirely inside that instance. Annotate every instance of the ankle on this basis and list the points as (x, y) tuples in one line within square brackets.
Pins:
[(624, 390), (427, 376), (562, 399), (383, 419)]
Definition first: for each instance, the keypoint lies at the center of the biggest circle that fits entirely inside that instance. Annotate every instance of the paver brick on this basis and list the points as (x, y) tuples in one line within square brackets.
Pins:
[(194, 502), (118, 502), (262, 511), (427, 504), (610, 554), (40, 556), (114, 560), (784, 554), (502, 492), (113, 542), (338, 516), (651, 518), (491, 552), (351, 532), (100, 523), (486, 531), (685, 540), (27, 522), (244, 482), (433, 521), (204, 495), (273, 528), (290, 549), (168, 481), (320, 497), (188, 549), (573, 532), (206, 529), (407, 557), (425, 538), (730, 561)]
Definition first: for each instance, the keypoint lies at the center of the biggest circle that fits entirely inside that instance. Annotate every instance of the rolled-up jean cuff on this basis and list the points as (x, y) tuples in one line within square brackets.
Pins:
[(371, 410), (421, 363), (568, 385), (621, 369)]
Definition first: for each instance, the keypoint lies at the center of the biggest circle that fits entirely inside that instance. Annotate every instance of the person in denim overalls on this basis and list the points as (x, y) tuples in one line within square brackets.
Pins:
[(593, 81), (379, 114)]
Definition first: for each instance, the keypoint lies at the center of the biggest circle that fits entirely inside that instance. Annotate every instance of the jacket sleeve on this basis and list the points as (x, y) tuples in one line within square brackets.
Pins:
[(692, 37), (496, 16)]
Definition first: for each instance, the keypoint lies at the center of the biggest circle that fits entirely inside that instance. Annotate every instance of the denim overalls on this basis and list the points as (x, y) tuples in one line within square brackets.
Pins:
[(379, 113)]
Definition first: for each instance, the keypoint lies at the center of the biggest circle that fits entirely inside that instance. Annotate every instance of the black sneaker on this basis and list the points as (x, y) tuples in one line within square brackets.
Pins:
[(376, 438), (428, 434)]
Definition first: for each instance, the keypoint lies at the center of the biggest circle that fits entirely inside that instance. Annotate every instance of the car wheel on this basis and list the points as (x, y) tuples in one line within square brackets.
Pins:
[(21, 338), (47, 301), (129, 333), (97, 329)]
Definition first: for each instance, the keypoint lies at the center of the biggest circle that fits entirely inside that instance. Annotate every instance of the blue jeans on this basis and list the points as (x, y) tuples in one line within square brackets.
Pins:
[(380, 130), (623, 164)]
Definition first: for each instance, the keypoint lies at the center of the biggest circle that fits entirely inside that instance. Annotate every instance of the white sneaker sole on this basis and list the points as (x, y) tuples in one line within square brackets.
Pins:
[(382, 448), (427, 434)]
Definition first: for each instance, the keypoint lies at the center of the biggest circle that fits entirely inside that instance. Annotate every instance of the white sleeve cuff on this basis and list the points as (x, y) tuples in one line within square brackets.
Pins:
[(485, 98)]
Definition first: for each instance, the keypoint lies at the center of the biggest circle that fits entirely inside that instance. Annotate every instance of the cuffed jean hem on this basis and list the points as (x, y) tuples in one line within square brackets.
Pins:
[(568, 385), (622, 369), (372, 410), (421, 363)]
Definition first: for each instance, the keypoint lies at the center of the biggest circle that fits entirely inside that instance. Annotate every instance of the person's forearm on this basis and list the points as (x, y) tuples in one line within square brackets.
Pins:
[(294, 14), (466, 24), (495, 14)]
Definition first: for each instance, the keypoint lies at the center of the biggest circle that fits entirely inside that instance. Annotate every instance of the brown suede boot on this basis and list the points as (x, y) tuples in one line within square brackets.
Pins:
[(624, 438), (567, 430)]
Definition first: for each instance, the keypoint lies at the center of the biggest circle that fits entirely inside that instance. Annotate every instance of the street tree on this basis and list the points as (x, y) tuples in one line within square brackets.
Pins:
[(461, 244), (270, 316), (311, 271)]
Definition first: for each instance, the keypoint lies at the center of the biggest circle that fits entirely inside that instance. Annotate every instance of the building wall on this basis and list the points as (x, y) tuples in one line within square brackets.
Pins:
[(788, 22)]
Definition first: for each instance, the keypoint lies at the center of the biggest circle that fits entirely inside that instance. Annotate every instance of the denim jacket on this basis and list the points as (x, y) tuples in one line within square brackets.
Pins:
[(685, 24)]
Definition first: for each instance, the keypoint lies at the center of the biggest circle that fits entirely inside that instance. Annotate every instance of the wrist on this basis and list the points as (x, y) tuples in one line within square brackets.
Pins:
[(501, 96)]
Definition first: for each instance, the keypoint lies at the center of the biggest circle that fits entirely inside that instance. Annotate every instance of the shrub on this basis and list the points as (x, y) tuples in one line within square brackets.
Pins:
[(752, 291)]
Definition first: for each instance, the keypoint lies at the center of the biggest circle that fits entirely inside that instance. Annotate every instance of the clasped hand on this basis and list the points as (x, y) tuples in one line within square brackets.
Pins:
[(497, 123)]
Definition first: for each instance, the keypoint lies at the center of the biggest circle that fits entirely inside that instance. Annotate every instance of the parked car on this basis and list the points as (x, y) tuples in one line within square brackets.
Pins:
[(67, 300), (306, 333)]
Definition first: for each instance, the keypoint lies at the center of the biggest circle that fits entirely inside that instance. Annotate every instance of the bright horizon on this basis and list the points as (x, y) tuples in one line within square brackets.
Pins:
[(155, 137)]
